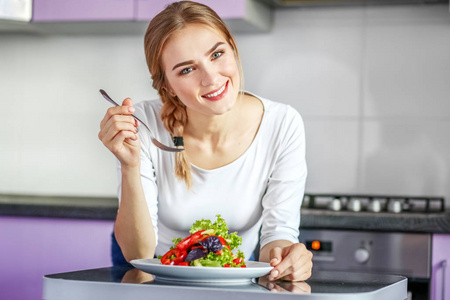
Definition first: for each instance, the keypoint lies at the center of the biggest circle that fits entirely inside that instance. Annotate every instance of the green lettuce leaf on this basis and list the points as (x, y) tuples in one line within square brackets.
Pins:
[(219, 228)]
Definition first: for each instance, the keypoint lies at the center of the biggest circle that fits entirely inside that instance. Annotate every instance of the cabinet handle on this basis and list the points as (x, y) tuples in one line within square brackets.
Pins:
[(444, 267)]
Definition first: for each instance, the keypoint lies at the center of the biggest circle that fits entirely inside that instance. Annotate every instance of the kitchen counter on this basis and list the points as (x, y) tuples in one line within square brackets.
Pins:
[(94, 208), (438, 222), (105, 208), (125, 282)]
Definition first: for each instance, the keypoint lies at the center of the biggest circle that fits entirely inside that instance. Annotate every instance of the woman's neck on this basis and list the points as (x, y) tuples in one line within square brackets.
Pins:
[(215, 141), (213, 128)]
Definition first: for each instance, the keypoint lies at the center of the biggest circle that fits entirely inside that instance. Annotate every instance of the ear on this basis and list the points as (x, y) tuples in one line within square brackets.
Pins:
[(172, 93), (169, 90)]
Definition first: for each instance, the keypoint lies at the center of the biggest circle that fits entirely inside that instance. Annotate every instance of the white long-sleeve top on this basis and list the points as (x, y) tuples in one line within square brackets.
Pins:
[(262, 189)]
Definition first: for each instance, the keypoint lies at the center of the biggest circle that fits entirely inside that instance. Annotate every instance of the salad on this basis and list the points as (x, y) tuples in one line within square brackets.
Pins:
[(209, 245)]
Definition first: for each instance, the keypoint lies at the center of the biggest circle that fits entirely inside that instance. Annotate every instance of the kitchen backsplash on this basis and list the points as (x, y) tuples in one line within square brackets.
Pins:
[(372, 84)]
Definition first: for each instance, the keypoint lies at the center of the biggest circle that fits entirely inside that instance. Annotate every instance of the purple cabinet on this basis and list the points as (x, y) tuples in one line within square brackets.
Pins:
[(33, 247), (82, 10), (121, 10), (440, 277), (133, 15), (229, 9)]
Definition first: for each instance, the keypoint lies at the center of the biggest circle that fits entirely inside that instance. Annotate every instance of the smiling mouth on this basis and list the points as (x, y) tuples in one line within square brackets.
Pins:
[(217, 93)]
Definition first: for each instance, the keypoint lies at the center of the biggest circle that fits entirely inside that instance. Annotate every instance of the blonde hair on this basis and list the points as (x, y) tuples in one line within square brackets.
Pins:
[(173, 19)]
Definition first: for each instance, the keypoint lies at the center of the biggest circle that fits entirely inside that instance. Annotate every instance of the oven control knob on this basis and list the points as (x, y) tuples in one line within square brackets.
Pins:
[(354, 205), (362, 255)]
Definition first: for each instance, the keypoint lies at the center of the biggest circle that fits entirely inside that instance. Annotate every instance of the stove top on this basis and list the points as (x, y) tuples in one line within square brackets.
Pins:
[(374, 203), (375, 213)]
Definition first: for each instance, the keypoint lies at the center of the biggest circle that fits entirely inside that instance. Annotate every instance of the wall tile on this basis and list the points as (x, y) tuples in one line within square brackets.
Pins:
[(10, 156), (332, 155), (311, 60), (406, 157), (53, 110), (407, 61)]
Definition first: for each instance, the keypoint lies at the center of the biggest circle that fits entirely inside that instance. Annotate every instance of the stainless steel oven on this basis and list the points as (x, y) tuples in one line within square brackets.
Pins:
[(403, 254), (374, 234)]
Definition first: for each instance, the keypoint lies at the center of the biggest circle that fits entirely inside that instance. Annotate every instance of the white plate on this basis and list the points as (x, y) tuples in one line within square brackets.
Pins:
[(202, 274)]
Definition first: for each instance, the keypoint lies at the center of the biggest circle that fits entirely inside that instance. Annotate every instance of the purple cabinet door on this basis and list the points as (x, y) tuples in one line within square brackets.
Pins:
[(229, 9), (440, 277), (82, 10), (33, 247)]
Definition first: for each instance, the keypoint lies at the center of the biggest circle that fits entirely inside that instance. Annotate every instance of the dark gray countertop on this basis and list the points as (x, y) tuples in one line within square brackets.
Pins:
[(438, 222), (123, 282), (105, 208), (94, 208)]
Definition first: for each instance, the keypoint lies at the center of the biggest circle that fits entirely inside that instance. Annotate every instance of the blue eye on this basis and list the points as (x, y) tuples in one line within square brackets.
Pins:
[(217, 54), (186, 71)]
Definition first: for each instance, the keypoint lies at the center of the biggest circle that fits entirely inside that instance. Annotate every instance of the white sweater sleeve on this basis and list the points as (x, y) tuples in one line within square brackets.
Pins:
[(286, 184)]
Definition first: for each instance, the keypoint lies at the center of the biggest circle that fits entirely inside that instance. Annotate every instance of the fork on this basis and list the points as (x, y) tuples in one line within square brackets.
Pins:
[(154, 140)]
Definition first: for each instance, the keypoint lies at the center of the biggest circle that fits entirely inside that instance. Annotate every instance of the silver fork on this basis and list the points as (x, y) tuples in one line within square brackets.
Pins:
[(154, 140)]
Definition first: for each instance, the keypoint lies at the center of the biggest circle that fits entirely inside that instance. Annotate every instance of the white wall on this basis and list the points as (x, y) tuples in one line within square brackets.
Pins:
[(373, 86)]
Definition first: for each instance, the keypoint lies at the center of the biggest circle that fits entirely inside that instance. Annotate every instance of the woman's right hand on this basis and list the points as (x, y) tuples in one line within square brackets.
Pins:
[(118, 132)]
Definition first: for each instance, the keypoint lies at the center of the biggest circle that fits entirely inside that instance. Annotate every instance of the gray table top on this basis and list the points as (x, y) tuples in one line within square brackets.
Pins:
[(126, 282)]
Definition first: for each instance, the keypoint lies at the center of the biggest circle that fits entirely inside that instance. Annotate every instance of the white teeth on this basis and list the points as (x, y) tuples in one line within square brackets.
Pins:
[(216, 93)]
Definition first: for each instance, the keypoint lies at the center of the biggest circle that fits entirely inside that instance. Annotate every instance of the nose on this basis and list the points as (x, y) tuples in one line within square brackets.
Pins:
[(209, 76)]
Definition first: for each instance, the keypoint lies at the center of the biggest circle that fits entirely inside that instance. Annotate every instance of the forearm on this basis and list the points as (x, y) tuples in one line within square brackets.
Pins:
[(264, 255), (133, 228)]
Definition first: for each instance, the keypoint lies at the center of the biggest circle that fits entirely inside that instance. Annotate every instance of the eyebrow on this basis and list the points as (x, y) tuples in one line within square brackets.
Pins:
[(189, 62)]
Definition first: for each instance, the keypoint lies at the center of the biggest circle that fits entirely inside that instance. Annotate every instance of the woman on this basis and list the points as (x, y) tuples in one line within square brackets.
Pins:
[(244, 155)]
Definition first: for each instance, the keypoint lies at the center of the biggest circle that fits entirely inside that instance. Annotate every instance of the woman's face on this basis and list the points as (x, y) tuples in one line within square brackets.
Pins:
[(201, 70)]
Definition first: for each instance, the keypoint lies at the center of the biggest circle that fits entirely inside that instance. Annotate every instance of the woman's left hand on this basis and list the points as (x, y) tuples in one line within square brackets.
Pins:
[(293, 263)]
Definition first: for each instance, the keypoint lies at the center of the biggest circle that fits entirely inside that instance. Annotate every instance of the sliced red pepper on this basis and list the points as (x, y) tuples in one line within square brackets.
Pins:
[(196, 246), (167, 259), (190, 240), (237, 261), (222, 240), (243, 266), (226, 266), (181, 255)]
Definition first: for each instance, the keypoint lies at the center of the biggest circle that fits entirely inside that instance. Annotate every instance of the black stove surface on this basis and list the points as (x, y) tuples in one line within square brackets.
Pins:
[(392, 213), (408, 204)]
